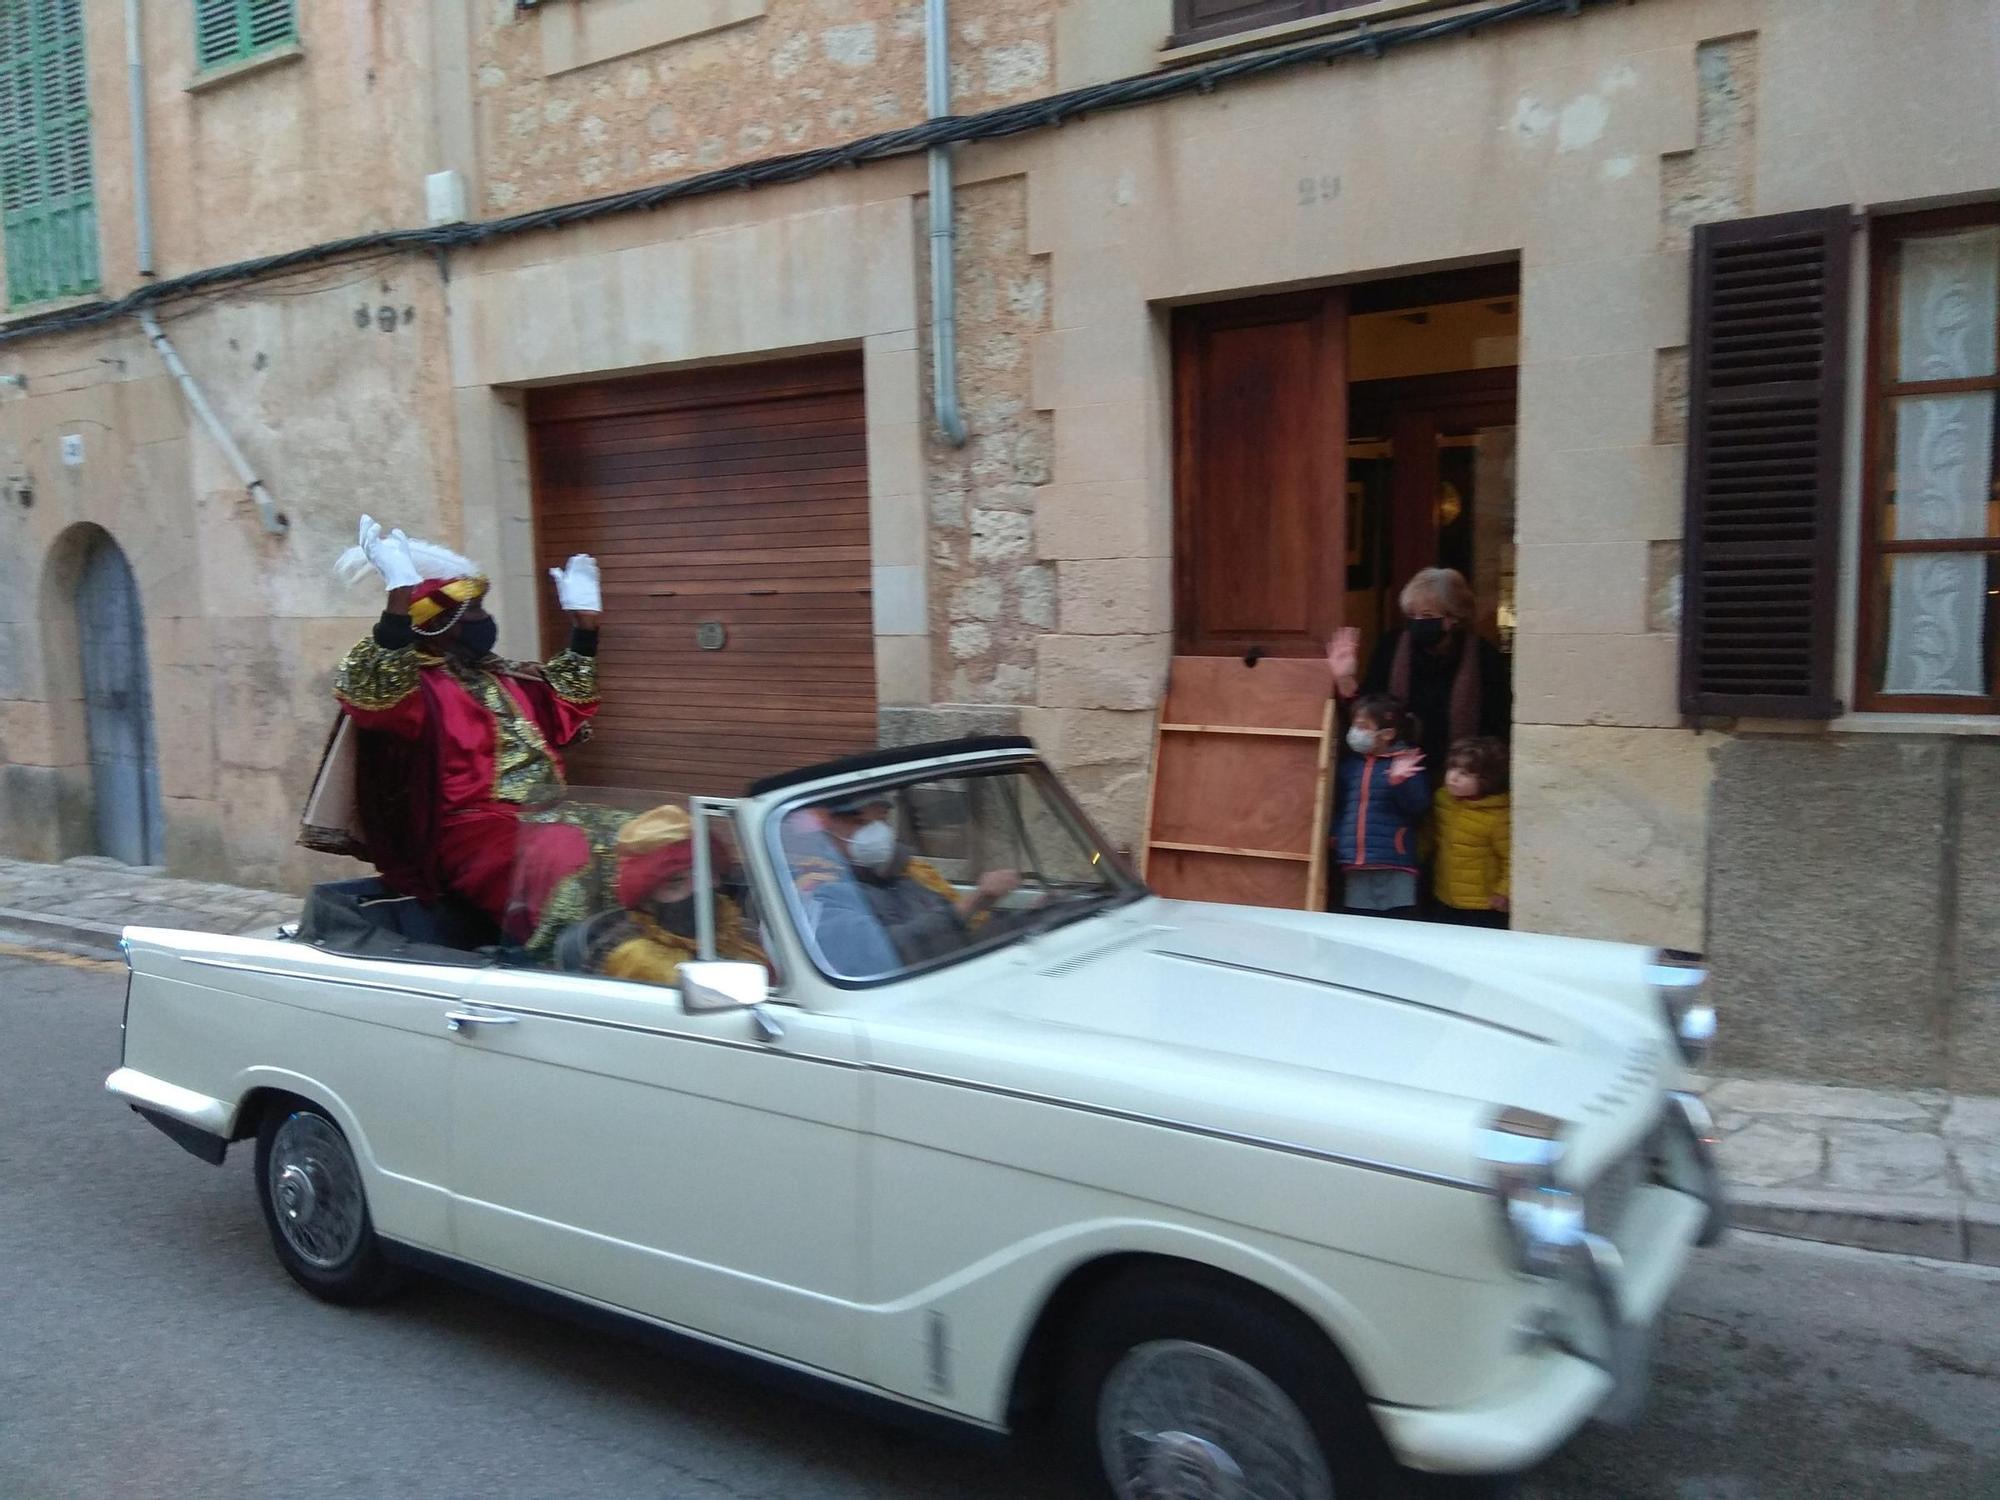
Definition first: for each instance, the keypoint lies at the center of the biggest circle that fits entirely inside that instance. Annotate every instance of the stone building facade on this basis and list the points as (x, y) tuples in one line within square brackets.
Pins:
[(1503, 215)]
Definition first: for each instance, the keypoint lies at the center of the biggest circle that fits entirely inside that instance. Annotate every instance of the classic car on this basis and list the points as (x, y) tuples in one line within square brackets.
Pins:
[(1249, 1202)]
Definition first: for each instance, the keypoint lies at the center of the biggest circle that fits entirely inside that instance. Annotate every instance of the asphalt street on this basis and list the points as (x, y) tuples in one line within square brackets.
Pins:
[(151, 1346)]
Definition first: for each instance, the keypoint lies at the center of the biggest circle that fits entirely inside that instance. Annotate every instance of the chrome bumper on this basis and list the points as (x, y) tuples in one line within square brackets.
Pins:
[(1684, 1147)]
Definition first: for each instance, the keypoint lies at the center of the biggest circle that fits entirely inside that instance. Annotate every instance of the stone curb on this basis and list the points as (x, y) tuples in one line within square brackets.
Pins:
[(64, 933), (1959, 1229)]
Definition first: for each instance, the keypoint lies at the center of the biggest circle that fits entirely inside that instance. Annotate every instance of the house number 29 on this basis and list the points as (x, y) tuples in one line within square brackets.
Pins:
[(1318, 190)]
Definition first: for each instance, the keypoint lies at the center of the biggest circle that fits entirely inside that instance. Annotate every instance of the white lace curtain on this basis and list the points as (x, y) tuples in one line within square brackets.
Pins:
[(1947, 288)]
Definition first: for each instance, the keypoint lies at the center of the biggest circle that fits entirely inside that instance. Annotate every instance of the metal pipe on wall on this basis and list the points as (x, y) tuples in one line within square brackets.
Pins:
[(944, 233), (142, 183), (274, 519)]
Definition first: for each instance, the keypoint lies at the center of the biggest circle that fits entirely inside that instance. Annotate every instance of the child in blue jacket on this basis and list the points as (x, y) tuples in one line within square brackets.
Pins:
[(1380, 799)]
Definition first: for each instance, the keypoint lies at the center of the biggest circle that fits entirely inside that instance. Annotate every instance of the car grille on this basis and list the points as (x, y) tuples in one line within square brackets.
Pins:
[(1606, 1200)]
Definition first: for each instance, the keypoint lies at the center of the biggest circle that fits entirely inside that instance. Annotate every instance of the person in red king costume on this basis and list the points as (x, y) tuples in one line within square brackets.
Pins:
[(458, 739)]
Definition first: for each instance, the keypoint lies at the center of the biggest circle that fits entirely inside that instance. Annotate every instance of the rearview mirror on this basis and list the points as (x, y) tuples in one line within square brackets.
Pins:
[(707, 987)]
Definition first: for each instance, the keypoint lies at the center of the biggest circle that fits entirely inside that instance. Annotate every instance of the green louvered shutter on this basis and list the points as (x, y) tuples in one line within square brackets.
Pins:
[(47, 199), (227, 31)]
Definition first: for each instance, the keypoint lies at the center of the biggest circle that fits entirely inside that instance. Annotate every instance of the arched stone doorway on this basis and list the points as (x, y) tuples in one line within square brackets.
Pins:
[(118, 705)]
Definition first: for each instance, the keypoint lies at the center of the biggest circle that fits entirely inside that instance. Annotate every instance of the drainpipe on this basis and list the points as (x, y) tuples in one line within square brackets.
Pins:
[(275, 520), (142, 186), (944, 260)]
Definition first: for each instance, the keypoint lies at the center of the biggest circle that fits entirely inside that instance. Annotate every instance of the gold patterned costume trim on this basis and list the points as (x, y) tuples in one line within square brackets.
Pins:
[(373, 678), (574, 677)]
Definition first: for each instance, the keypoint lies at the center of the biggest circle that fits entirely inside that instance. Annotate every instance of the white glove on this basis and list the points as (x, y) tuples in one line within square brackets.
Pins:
[(578, 588), (389, 555)]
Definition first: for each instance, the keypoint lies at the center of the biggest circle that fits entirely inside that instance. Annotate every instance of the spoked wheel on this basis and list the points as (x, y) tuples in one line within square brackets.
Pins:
[(1183, 1388), (1188, 1420), (317, 1209)]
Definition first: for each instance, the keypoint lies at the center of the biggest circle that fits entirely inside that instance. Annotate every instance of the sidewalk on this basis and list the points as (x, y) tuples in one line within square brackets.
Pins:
[(1911, 1171), (81, 905)]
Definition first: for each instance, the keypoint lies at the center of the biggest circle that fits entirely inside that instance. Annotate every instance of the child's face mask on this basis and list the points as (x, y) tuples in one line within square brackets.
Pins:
[(1363, 740)]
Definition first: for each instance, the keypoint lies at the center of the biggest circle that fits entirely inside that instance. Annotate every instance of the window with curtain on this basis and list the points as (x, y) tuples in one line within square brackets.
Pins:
[(48, 205), (1930, 605), (228, 31)]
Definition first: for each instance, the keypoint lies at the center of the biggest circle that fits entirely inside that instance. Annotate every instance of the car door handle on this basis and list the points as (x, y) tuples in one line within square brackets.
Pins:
[(458, 1020)]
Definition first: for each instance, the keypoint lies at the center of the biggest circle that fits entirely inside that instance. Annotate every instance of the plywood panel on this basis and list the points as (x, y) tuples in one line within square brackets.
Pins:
[(1238, 805)]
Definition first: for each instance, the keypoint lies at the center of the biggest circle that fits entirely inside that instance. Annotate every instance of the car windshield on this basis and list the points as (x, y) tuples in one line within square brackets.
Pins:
[(905, 875)]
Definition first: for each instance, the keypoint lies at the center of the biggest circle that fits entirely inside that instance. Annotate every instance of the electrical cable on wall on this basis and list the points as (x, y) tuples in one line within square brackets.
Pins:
[(994, 124)]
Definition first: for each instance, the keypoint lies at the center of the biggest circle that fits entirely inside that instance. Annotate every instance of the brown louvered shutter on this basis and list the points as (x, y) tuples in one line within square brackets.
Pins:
[(1765, 415)]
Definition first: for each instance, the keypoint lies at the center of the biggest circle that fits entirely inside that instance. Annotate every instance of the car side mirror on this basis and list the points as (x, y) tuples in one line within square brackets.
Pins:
[(708, 987)]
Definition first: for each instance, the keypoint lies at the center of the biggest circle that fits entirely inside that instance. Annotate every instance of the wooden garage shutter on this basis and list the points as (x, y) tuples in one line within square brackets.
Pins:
[(726, 505), (1765, 419)]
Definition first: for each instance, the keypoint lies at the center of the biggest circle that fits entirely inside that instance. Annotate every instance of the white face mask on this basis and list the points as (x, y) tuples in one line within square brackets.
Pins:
[(873, 846), (1361, 741)]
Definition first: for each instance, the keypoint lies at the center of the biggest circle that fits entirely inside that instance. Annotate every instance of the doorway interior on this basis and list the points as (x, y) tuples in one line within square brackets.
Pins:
[(1328, 444)]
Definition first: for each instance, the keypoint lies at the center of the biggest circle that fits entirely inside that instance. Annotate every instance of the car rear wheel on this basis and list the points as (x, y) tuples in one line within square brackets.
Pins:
[(1186, 1390), (310, 1188)]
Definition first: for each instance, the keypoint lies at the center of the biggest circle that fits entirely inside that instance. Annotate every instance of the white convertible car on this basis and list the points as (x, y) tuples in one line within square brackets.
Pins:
[(1254, 1203)]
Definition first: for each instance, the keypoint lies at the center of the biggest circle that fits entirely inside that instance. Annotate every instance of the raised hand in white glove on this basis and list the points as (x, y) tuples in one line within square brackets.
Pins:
[(578, 588), (389, 554)]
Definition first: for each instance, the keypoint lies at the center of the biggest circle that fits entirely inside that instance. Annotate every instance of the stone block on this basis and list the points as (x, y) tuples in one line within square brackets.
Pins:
[(1116, 596), (1930, 1227), (1972, 1117), (1610, 833), (902, 669), (1127, 518), (896, 458), (1978, 1167), (945, 721), (1597, 401), (1814, 1101), (1774, 1153), (1630, 681), (1074, 737), (1105, 441), (1575, 309), (1582, 588), (1826, 931), (1974, 1065), (1090, 671), (1871, 1158), (899, 603), (1982, 1233)]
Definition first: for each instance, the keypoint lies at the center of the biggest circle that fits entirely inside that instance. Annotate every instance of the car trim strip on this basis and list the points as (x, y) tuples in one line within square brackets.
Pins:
[(318, 978), (1185, 1127), (1355, 989), (771, 1049)]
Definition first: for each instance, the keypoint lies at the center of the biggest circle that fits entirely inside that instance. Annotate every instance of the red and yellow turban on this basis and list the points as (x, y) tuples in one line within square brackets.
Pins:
[(437, 596), (655, 847)]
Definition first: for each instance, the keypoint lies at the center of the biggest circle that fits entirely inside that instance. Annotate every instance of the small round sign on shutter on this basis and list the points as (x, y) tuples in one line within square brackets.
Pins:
[(710, 636)]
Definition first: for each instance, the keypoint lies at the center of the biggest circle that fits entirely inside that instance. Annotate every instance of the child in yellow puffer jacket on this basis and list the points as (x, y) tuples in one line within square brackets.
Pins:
[(1473, 834)]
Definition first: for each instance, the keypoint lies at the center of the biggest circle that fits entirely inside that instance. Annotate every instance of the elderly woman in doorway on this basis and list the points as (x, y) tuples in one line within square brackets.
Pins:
[(1451, 678)]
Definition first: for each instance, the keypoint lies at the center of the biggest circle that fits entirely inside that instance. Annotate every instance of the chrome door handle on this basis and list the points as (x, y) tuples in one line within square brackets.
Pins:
[(458, 1020)]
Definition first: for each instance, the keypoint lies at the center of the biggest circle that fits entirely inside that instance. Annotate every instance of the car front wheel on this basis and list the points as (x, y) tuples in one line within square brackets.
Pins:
[(1195, 1390), (310, 1188)]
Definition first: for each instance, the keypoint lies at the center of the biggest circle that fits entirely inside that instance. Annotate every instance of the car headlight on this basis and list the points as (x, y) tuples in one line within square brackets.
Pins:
[(1544, 1220), (1679, 979)]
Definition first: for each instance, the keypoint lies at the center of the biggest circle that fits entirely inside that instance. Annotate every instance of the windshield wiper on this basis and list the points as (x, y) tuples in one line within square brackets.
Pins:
[(1049, 918)]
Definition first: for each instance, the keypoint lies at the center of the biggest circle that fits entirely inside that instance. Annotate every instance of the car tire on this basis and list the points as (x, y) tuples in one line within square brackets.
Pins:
[(1160, 1353), (316, 1208)]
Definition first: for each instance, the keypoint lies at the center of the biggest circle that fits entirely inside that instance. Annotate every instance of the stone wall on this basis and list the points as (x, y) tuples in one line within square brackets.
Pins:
[(782, 76), (1854, 909)]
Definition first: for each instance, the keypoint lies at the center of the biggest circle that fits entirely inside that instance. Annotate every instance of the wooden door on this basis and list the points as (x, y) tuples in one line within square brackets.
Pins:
[(118, 710), (1260, 482), (729, 510)]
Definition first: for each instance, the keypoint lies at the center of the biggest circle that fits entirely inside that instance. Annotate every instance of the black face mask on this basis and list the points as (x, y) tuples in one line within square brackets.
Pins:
[(1428, 633), (476, 637), (676, 916)]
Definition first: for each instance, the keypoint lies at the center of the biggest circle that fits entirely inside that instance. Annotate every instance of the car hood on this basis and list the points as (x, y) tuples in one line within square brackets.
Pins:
[(1389, 1040)]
